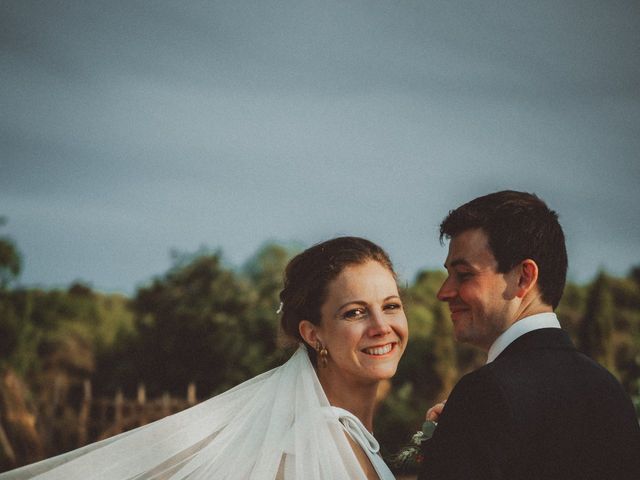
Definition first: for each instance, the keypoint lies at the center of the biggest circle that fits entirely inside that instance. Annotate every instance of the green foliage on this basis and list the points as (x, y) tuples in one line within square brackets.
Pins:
[(205, 322), (17, 332), (399, 417), (190, 327), (571, 307), (31, 321), (226, 318), (263, 273), (594, 333), (10, 260)]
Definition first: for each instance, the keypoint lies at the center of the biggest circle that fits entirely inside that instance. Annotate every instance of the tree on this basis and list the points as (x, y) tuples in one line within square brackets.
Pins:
[(634, 274), (19, 443), (12, 321), (264, 272), (10, 260), (596, 328), (190, 328)]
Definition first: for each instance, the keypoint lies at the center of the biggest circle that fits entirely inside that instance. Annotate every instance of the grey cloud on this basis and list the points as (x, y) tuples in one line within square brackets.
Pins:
[(229, 123)]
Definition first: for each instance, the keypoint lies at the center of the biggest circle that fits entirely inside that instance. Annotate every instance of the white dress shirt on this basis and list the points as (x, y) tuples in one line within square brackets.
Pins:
[(519, 328)]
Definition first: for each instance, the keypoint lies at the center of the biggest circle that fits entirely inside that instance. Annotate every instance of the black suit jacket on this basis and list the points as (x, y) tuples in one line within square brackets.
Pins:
[(541, 410)]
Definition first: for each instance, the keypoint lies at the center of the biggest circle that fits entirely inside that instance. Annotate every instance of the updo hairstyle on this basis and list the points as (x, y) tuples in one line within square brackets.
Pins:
[(307, 277)]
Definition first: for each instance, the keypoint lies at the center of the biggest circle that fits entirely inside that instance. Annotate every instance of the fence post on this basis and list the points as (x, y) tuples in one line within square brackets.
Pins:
[(6, 446), (166, 404), (118, 415), (83, 417), (142, 400), (191, 393)]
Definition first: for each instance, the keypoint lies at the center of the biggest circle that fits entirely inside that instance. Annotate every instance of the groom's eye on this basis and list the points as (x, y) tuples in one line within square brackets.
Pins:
[(461, 276)]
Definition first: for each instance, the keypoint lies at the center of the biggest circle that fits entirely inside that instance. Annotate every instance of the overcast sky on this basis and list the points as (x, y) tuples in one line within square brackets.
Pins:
[(130, 128)]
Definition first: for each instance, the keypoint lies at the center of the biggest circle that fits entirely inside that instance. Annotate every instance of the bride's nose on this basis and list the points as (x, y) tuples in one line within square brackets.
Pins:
[(378, 325)]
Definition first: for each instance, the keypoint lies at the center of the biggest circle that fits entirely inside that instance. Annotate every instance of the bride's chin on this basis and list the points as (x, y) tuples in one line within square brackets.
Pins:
[(385, 373)]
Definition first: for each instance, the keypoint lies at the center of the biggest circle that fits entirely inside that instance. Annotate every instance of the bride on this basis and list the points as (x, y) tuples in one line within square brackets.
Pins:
[(310, 418)]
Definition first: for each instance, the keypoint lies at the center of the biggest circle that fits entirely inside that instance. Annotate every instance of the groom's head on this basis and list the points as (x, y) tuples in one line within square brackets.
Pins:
[(507, 250)]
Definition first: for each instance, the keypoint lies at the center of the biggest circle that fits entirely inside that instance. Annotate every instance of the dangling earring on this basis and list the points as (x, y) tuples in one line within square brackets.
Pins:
[(323, 354)]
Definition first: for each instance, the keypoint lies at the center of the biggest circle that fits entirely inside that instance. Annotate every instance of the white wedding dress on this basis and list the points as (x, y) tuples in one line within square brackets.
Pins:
[(276, 425)]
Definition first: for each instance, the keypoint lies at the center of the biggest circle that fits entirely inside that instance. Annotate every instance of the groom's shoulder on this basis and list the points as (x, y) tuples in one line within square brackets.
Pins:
[(477, 384), (561, 368)]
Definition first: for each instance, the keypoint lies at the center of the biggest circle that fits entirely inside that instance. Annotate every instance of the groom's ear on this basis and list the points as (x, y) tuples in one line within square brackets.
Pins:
[(308, 332), (527, 277)]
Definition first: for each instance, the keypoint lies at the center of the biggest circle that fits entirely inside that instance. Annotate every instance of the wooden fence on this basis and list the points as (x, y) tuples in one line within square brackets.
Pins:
[(104, 417), (66, 422)]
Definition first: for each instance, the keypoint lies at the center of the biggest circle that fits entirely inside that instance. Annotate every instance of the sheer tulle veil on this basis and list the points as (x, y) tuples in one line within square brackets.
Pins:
[(276, 425)]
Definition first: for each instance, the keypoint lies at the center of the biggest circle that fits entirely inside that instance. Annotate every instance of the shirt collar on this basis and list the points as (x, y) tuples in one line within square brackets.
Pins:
[(519, 328)]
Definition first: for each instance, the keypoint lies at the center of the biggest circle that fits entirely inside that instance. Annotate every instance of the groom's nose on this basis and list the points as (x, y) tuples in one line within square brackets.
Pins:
[(447, 290)]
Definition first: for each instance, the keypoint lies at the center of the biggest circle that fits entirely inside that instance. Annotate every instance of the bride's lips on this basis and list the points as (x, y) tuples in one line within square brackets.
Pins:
[(380, 350)]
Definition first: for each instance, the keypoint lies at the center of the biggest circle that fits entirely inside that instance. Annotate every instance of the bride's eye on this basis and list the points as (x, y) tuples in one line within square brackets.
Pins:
[(354, 314), (393, 306)]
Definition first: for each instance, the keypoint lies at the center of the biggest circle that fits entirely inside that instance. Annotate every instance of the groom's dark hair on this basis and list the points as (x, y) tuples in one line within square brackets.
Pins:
[(519, 225)]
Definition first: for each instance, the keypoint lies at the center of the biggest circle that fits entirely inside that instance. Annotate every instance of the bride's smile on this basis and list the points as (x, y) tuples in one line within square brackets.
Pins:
[(363, 325), (379, 350)]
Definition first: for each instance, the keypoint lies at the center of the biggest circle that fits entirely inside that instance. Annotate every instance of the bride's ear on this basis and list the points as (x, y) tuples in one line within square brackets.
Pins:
[(308, 332)]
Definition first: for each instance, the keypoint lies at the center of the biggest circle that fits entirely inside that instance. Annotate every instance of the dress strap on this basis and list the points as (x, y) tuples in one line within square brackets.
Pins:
[(359, 433)]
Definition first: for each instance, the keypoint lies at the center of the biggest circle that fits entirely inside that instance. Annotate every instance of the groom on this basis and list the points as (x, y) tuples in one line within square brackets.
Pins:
[(538, 409)]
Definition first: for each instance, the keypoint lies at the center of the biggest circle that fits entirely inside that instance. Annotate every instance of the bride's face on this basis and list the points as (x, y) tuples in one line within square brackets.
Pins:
[(363, 325)]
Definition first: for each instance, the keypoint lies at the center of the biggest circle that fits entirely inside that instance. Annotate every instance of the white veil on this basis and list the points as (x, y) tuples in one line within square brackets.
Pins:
[(276, 425)]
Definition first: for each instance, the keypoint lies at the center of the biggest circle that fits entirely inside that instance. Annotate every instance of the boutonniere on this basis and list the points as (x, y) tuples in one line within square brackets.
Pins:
[(410, 457)]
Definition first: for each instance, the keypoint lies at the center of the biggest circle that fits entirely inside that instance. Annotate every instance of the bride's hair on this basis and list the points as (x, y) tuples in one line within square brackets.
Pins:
[(308, 275)]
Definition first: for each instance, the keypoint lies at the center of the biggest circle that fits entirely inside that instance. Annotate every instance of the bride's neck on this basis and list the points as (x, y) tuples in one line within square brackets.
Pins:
[(358, 399)]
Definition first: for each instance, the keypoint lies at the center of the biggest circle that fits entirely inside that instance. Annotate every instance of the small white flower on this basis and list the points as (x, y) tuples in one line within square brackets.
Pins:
[(417, 438), (404, 455)]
